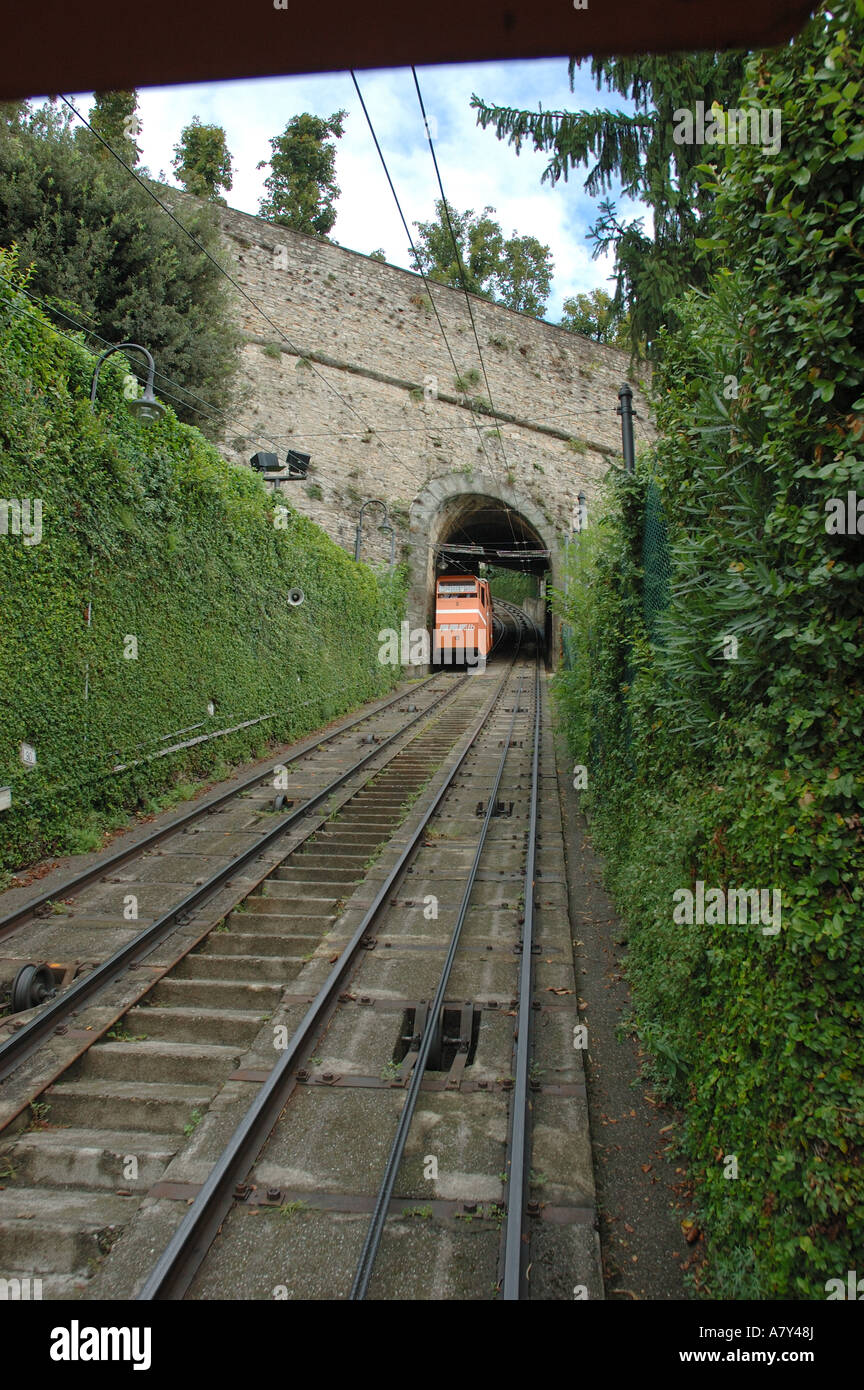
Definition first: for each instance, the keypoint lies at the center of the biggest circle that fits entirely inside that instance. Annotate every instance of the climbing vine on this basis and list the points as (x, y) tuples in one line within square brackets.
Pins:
[(156, 592)]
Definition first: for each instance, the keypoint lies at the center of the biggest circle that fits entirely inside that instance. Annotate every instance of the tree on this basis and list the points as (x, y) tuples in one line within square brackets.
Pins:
[(202, 161), (479, 243), (594, 316), (301, 186), (14, 113), (639, 151), (106, 254), (524, 277), (516, 272), (478, 240), (114, 116), (378, 254)]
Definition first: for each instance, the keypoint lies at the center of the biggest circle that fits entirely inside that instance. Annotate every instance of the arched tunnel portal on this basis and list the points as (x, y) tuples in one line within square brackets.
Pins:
[(461, 522)]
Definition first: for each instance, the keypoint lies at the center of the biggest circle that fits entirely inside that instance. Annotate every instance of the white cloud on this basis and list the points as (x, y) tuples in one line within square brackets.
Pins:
[(477, 169)]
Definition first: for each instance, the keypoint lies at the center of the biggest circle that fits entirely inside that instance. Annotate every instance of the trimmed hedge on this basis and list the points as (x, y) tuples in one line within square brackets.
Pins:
[(164, 542), (744, 768)]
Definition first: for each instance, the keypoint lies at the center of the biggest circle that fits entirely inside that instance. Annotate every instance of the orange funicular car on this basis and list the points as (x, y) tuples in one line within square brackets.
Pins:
[(463, 621)]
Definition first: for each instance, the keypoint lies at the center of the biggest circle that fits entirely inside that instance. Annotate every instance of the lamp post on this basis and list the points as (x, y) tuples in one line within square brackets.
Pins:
[(145, 408), (358, 535)]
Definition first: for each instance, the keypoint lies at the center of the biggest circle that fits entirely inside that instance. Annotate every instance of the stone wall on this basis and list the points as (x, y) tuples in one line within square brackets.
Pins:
[(365, 384)]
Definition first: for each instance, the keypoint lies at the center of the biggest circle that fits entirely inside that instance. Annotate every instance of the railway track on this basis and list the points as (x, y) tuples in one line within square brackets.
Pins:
[(176, 1131), (178, 884)]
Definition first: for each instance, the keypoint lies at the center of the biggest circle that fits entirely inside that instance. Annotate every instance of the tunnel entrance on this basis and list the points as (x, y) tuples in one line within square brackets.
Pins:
[(476, 526)]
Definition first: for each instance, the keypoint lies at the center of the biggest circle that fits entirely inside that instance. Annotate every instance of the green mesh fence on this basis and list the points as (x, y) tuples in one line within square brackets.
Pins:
[(656, 596), (656, 566)]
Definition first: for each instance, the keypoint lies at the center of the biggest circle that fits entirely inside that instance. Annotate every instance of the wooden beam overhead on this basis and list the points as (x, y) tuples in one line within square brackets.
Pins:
[(58, 46)]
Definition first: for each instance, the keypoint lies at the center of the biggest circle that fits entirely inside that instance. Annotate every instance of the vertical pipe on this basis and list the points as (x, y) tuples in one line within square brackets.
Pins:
[(625, 410), (87, 664)]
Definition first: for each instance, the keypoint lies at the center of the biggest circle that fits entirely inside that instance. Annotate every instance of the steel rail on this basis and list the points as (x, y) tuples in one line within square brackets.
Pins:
[(517, 1162), (176, 1267), (32, 1034), (14, 919), (372, 1242)]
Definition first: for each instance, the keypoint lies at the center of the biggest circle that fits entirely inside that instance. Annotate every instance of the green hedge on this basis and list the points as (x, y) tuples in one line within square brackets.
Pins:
[(511, 586), (746, 771), (171, 545)]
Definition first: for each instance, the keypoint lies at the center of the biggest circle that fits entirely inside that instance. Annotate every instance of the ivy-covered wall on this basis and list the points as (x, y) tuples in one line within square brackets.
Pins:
[(722, 742), (184, 568)]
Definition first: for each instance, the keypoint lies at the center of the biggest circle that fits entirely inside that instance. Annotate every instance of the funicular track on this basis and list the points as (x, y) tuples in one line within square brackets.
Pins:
[(299, 1202), (107, 1127), (33, 1027)]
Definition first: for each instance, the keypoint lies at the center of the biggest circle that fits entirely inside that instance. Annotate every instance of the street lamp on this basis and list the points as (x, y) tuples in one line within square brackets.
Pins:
[(358, 534), (145, 408)]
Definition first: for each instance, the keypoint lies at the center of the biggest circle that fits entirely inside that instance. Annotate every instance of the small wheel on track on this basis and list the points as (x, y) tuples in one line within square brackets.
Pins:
[(32, 985)]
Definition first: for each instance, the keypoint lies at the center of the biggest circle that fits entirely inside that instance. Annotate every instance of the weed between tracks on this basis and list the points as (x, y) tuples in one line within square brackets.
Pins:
[(288, 1210)]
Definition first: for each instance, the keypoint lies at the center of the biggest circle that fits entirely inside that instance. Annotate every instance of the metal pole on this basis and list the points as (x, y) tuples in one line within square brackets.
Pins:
[(625, 410), (392, 542)]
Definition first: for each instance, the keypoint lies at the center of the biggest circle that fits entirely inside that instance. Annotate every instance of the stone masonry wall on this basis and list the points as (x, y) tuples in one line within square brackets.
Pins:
[(368, 389)]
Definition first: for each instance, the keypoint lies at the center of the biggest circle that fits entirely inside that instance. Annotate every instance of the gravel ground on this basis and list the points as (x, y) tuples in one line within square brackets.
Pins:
[(642, 1189)]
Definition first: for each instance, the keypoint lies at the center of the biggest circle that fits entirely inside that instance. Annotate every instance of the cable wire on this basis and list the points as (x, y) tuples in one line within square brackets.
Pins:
[(421, 271), (462, 274)]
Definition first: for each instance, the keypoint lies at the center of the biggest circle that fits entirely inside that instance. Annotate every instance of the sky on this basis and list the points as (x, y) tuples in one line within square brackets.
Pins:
[(477, 169)]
